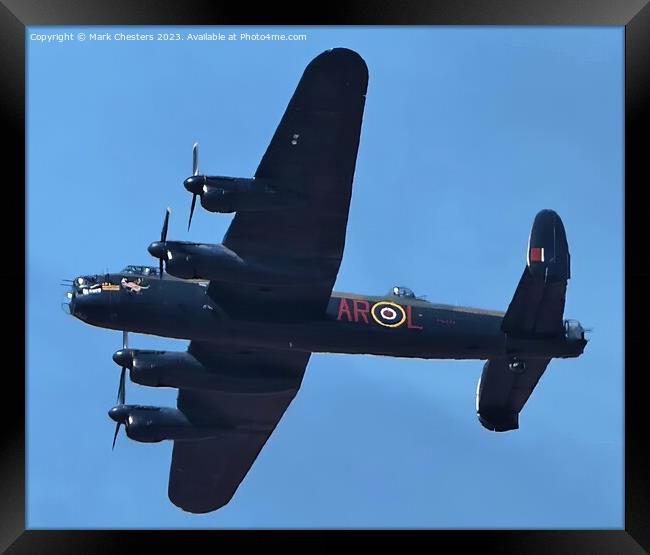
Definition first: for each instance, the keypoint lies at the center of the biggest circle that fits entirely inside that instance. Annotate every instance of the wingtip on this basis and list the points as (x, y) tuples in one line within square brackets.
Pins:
[(343, 64), (190, 505), (342, 54), (342, 51)]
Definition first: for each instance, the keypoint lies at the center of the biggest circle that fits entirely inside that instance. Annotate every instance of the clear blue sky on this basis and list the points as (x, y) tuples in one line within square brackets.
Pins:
[(471, 131)]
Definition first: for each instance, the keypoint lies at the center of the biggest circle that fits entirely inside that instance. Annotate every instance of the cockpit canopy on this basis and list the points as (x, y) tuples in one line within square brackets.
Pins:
[(399, 291), (140, 270)]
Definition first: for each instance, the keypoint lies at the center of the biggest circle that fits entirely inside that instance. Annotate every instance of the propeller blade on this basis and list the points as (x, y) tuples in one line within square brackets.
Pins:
[(121, 389), (195, 159), (163, 239), (189, 223), (117, 431), (163, 233)]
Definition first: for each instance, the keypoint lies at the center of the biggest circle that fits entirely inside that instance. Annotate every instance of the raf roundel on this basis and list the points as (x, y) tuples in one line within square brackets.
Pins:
[(387, 314)]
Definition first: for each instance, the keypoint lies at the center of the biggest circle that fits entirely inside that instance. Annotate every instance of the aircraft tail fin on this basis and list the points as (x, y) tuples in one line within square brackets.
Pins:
[(537, 307), (536, 311)]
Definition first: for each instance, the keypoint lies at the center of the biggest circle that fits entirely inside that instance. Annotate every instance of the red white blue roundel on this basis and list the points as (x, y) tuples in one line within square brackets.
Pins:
[(390, 315)]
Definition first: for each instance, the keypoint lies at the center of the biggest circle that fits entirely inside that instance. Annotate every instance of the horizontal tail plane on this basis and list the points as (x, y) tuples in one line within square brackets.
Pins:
[(535, 314)]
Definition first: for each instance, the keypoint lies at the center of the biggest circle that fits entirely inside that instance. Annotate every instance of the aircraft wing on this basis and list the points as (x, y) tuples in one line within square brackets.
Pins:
[(501, 393), (205, 473), (313, 153)]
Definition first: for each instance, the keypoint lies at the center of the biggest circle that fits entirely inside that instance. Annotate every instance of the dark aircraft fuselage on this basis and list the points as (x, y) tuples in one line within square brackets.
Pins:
[(355, 324)]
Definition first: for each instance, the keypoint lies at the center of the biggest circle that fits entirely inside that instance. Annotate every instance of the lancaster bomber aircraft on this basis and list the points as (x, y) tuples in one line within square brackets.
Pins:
[(256, 306)]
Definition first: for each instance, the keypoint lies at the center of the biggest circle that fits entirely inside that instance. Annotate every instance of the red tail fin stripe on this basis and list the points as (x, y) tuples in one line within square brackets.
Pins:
[(537, 254)]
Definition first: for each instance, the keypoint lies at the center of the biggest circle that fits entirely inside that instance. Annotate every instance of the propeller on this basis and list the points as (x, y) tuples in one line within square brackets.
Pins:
[(121, 390), (194, 184)]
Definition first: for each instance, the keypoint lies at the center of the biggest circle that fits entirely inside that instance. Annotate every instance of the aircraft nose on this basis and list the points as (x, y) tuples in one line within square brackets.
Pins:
[(68, 304), (123, 358), (157, 249), (119, 413), (70, 301)]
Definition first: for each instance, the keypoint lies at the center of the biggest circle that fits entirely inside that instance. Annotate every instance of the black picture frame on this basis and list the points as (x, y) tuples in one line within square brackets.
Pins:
[(15, 15)]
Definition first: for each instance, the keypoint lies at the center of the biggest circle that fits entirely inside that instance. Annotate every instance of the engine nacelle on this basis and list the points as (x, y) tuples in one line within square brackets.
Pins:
[(202, 260), (215, 261), (182, 267), (183, 370), (235, 194), (153, 424)]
